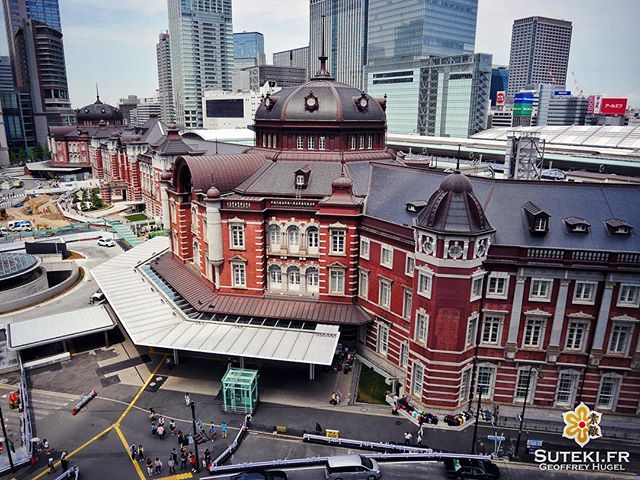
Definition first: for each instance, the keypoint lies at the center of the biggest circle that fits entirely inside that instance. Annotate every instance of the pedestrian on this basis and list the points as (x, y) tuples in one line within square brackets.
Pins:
[(45, 445), (183, 461), (187, 399), (158, 465), (407, 438), (172, 426), (134, 451), (169, 363), (141, 453), (192, 461), (180, 438), (334, 398), (161, 421), (212, 432), (248, 419), (421, 431), (160, 432), (419, 439), (207, 456), (223, 429), (171, 463), (154, 428), (149, 467), (64, 462), (174, 455), (318, 429), (52, 467), (152, 415)]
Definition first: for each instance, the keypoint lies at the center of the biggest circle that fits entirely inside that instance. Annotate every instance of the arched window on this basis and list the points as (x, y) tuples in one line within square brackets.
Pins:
[(293, 237), (274, 237), (313, 238), (293, 277), (275, 276), (313, 278)]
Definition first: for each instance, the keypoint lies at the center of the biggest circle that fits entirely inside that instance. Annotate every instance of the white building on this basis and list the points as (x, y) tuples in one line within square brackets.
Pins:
[(165, 86), (232, 110)]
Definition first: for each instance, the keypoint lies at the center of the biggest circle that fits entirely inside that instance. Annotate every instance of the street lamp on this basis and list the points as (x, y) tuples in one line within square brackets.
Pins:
[(524, 407), (195, 441)]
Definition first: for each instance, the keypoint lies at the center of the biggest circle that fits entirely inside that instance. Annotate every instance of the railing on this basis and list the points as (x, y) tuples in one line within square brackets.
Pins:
[(629, 258), (545, 253), (590, 256)]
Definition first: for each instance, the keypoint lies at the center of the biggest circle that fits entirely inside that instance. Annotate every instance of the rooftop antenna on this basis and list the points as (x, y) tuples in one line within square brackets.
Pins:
[(323, 73), (458, 160), (97, 93)]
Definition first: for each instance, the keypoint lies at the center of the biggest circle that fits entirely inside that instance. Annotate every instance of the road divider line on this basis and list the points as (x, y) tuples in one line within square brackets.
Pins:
[(125, 444)]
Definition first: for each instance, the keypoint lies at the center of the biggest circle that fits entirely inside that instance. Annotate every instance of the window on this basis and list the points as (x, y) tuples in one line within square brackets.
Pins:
[(417, 379), (383, 339), (361, 142), (363, 284), (484, 380), (264, 140), (275, 140), (584, 292), (293, 278), (476, 288), (299, 142), (386, 256), (369, 142), (322, 142), (274, 237), (491, 330), (275, 276), (313, 238), (406, 303), (472, 323), (364, 248), (421, 327), (424, 284), (299, 180), (353, 142), (619, 339), (533, 332), (239, 274), (465, 384), (313, 278), (310, 142), (384, 294), (540, 289), (540, 225), (237, 236), (567, 384), (337, 241), (497, 287), (269, 141), (628, 296), (522, 385), (336, 281), (576, 335), (608, 392), (293, 237), (404, 354), (409, 265)]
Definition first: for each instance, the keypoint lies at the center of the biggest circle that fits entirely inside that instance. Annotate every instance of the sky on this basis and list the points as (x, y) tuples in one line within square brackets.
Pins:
[(112, 42)]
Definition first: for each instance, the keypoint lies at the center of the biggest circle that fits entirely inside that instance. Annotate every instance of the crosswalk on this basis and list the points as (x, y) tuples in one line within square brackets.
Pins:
[(9, 200)]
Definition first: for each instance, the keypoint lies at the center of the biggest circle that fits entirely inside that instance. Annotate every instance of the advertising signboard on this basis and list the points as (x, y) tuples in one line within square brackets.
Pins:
[(500, 96), (562, 93), (613, 106)]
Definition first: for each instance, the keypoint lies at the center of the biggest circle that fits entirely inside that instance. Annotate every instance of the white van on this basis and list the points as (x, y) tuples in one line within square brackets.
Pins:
[(352, 467)]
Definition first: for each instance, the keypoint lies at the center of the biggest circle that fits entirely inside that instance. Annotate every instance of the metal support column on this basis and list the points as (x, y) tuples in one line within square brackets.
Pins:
[(175, 357), (7, 442), (241, 362), (312, 371), (106, 339)]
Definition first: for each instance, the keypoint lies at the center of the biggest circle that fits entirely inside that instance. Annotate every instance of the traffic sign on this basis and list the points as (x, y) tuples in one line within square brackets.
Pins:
[(496, 438)]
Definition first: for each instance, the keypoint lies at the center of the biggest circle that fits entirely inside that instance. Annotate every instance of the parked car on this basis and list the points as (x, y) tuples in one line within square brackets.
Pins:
[(352, 467), (106, 242), (261, 475), (463, 468)]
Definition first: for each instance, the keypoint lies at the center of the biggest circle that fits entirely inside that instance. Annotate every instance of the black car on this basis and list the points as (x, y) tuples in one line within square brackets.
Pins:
[(463, 468), (262, 475)]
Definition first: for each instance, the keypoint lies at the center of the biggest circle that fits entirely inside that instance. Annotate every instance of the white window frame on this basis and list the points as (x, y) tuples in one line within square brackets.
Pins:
[(352, 140), (238, 274), (498, 279), (472, 330), (533, 321), (270, 271), (299, 142), (532, 385), (422, 326), (293, 236), (570, 391), (407, 305), (615, 338), (313, 232), (417, 380), (492, 380), (540, 224), (465, 384), (369, 142), (237, 238), (409, 265), (294, 277), (383, 339), (322, 142), (535, 291), (611, 405), (386, 249), (363, 284), (312, 272), (477, 282), (310, 142), (425, 283), (623, 300), (332, 281), (299, 180), (404, 354), (578, 293), (361, 142), (571, 346), (493, 324), (365, 248), (338, 238), (275, 236), (384, 301)]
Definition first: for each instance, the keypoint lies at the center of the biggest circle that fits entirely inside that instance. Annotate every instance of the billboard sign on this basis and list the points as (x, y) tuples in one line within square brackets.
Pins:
[(500, 96), (613, 106), (523, 103), (593, 107), (562, 93)]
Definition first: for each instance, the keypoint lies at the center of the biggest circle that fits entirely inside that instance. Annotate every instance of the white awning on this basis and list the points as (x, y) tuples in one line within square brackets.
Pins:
[(151, 319), (59, 327)]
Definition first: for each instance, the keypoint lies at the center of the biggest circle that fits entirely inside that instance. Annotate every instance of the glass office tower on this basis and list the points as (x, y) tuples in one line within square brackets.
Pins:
[(248, 49)]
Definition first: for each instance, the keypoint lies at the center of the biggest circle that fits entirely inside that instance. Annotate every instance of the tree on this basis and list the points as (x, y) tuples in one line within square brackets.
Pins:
[(96, 200), (46, 153)]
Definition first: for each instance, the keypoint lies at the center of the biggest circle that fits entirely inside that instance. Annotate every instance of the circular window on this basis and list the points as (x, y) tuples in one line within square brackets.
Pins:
[(103, 110), (427, 245), (455, 250)]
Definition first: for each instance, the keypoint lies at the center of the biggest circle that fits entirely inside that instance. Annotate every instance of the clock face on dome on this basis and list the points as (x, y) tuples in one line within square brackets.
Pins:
[(310, 102), (267, 101), (363, 102)]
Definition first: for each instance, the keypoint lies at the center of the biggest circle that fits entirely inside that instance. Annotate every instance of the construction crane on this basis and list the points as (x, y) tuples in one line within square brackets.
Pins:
[(578, 87)]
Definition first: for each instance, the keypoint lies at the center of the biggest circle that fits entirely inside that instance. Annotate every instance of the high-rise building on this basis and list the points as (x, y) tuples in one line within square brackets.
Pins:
[(539, 52), (439, 96), (409, 30), (345, 37), (499, 82), (556, 106), (147, 108), (165, 87), (36, 49), (201, 54), (296, 57), (248, 49), (127, 107), (279, 76)]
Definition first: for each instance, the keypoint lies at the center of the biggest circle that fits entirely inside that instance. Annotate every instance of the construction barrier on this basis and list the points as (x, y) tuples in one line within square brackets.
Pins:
[(83, 401)]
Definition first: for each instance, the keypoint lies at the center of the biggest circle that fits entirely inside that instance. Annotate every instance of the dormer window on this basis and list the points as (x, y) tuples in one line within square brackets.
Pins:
[(302, 177), (537, 219), (577, 225), (299, 180), (618, 227), (415, 206), (540, 224)]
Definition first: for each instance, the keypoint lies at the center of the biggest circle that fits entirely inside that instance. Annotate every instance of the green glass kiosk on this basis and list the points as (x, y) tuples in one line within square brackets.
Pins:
[(240, 390)]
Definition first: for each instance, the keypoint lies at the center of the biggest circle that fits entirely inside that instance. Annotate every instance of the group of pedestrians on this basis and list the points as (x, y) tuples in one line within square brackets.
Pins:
[(419, 437)]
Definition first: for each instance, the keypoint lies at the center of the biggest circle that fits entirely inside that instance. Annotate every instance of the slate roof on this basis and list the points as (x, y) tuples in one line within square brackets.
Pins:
[(225, 172), (391, 187)]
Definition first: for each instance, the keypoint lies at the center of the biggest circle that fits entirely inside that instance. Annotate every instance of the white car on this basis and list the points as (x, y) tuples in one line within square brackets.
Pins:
[(106, 242)]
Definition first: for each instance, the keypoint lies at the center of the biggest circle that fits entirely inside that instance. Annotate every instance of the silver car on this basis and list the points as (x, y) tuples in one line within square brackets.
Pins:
[(352, 467)]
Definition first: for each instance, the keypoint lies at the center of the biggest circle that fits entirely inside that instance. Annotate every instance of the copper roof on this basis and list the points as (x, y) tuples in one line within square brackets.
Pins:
[(205, 300), (225, 172)]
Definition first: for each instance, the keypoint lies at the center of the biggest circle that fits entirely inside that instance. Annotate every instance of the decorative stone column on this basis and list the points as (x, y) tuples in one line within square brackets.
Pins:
[(597, 348), (215, 253), (558, 321), (165, 183), (514, 321)]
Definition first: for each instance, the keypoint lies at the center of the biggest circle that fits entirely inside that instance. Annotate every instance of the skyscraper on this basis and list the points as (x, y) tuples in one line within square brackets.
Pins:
[(296, 57), (248, 49), (165, 87), (345, 37), (539, 52), (499, 82), (201, 54)]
